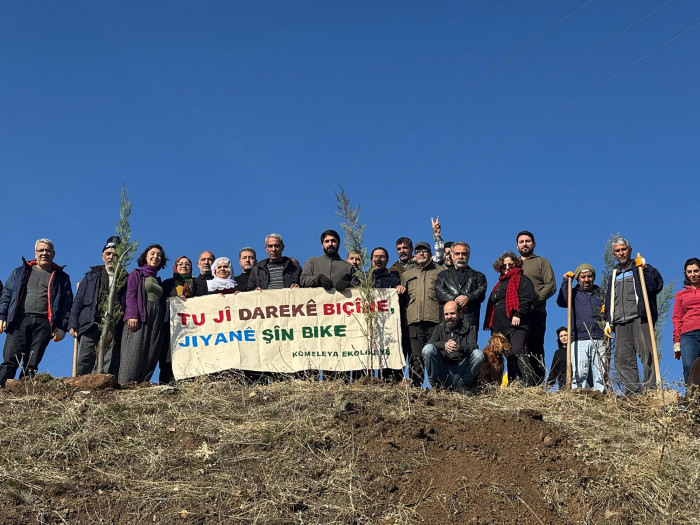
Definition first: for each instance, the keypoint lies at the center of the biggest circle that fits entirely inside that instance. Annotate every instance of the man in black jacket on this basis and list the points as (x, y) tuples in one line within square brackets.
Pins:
[(451, 359), (276, 271), (88, 309), (465, 286), (383, 278), (34, 309), (247, 259), (206, 259)]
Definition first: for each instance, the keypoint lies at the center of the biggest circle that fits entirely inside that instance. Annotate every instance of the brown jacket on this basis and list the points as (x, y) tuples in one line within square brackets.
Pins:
[(420, 287)]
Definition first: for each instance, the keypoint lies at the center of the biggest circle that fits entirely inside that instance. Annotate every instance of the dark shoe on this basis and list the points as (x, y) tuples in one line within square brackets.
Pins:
[(462, 389)]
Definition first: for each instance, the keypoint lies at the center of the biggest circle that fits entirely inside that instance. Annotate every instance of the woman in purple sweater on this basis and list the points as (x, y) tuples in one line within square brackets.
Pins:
[(143, 318)]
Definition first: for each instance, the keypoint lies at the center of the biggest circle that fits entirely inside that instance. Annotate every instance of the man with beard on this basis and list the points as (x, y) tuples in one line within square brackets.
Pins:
[(587, 340), (540, 272), (404, 250), (276, 271), (246, 259), (451, 359), (85, 322), (383, 277), (423, 309), (465, 286), (329, 270), (625, 314)]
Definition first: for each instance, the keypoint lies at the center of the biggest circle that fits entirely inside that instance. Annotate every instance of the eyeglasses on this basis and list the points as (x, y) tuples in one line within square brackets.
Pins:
[(421, 250)]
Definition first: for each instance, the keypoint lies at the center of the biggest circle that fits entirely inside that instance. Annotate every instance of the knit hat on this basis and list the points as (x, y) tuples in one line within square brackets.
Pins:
[(584, 267), (112, 242)]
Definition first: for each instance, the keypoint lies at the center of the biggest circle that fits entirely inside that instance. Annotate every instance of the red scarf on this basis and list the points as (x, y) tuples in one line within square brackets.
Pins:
[(512, 299)]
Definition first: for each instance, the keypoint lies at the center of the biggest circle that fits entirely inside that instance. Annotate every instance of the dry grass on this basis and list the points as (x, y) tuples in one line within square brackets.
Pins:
[(217, 451)]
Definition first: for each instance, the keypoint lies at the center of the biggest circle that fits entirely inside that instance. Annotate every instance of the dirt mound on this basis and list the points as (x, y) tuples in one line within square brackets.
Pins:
[(494, 468)]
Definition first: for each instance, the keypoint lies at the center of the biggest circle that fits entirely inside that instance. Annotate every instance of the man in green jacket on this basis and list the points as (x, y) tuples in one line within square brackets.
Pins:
[(423, 309), (540, 272)]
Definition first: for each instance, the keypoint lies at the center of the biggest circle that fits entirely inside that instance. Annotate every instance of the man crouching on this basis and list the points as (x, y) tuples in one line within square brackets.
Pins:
[(450, 360)]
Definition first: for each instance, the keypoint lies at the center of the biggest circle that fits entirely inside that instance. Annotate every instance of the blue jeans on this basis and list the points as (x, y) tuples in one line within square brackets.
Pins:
[(440, 373), (690, 351), (588, 355)]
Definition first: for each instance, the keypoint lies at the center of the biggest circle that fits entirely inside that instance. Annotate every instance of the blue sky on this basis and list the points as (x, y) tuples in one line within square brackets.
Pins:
[(229, 120)]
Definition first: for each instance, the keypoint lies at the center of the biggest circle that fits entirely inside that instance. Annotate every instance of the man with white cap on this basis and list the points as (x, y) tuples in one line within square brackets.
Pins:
[(85, 322)]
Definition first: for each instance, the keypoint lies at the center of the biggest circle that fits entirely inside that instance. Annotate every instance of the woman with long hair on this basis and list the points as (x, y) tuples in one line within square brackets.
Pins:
[(507, 313), (686, 317), (143, 317)]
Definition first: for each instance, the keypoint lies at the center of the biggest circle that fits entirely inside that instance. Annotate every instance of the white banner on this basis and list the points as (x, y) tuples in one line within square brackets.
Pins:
[(287, 330)]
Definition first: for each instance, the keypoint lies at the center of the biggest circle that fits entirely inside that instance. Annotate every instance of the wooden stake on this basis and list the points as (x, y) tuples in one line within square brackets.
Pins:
[(75, 345), (657, 369), (568, 335), (75, 357)]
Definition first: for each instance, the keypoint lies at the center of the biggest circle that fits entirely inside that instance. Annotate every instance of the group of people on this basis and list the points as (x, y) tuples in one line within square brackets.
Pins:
[(440, 299)]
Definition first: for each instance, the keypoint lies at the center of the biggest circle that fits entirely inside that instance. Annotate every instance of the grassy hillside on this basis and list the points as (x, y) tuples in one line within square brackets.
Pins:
[(217, 451)]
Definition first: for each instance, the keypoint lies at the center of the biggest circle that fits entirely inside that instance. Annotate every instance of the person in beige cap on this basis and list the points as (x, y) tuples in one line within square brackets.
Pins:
[(587, 338), (423, 308)]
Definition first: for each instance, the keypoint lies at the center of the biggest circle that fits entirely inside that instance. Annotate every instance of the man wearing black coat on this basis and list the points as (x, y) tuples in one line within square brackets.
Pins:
[(34, 309), (276, 271), (465, 286), (87, 311), (451, 359)]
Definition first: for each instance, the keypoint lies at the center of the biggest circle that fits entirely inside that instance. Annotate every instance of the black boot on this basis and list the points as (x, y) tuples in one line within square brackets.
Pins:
[(527, 374)]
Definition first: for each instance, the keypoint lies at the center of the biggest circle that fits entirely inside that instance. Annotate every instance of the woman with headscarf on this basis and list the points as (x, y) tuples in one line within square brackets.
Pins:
[(143, 318), (686, 318), (181, 286), (507, 313), (222, 282)]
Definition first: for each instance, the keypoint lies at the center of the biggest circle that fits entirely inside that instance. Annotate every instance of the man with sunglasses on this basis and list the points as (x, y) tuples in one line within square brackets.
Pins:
[(423, 309)]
